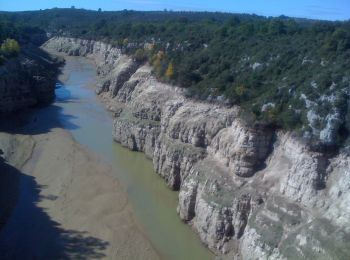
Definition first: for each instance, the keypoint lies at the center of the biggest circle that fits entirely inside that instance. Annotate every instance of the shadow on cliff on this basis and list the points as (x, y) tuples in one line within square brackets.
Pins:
[(27, 232)]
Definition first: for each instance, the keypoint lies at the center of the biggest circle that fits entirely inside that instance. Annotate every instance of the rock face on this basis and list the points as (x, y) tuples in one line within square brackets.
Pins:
[(27, 80), (250, 193)]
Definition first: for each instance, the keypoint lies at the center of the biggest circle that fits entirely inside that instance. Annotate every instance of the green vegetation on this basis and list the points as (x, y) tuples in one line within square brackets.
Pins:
[(10, 47), (285, 72), (13, 35)]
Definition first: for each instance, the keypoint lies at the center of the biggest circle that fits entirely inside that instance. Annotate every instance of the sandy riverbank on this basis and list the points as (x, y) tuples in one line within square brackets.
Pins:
[(72, 207)]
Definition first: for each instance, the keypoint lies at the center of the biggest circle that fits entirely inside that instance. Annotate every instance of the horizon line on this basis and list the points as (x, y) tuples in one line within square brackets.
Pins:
[(179, 11)]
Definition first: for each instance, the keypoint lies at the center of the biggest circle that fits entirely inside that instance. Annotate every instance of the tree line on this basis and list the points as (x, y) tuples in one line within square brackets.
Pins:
[(264, 64)]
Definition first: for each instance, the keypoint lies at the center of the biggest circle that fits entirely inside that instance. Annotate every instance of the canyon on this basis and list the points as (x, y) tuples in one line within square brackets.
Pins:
[(249, 192)]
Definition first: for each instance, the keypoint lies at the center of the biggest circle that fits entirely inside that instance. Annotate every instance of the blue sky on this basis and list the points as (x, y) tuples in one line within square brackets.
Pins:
[(318, 9)]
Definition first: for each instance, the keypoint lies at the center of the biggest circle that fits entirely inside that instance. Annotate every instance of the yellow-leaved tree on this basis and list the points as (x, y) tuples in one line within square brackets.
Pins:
[(10, 47), (170, 71), (157, 63)]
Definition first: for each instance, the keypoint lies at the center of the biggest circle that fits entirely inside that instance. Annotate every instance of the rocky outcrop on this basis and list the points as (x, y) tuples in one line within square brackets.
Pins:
[(247, 153), (27, 80), (249, 192)]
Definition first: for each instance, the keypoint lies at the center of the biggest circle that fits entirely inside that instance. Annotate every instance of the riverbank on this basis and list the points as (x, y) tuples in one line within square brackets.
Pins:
[(67, 201)]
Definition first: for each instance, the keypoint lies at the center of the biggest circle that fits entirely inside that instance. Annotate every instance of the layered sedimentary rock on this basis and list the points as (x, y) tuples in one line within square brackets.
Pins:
[(249, 192), (27, 80)]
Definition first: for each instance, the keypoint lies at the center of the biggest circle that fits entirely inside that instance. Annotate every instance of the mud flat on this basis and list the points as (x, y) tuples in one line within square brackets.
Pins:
[(67, 204)]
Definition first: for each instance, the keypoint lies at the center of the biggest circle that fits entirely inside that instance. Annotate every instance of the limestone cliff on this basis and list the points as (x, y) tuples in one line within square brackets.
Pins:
[(250, 193)]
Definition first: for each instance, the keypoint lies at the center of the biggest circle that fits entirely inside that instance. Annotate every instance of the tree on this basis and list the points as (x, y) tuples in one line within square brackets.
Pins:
[(140, 55), (157, 62), (157, 65), (170, 71), (10, 47), (233, 21), (241, 90), (100, 24), (277, 27), (125, 42)]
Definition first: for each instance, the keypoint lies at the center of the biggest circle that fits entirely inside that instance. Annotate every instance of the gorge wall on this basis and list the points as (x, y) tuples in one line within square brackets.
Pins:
[(27, 80), (249, 193)]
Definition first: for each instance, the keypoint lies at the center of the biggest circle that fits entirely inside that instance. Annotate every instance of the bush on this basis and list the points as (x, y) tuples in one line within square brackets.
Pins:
[(10, 47), (140, 55)]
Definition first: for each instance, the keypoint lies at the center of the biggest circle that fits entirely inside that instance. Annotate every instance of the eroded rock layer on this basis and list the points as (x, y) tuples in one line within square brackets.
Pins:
[(250, 193)]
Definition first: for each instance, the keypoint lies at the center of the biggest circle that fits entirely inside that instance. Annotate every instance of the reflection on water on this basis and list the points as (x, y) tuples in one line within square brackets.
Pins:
[(153, 203)]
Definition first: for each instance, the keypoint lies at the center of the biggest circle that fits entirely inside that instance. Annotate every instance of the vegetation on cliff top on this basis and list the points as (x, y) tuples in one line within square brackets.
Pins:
[(27, 73), (286, 72), (14, 34)]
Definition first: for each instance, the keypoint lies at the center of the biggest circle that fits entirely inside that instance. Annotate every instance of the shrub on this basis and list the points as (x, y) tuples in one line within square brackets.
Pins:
[(10, 47), (140, 55)]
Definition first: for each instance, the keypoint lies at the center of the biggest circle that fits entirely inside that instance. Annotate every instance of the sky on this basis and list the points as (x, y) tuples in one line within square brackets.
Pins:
[(315, 9)]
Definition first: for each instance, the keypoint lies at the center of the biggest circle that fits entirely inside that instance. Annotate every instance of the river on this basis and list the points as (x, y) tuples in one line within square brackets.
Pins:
[(153, 203)]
